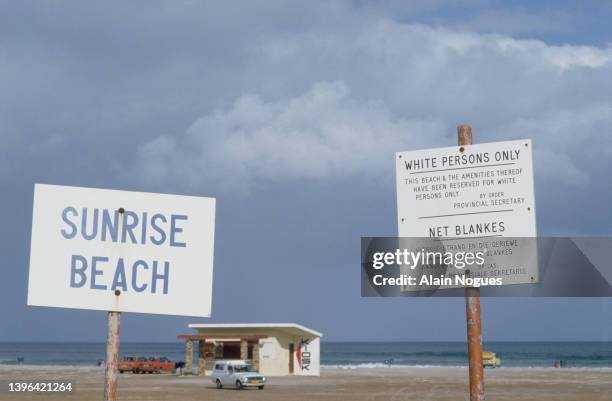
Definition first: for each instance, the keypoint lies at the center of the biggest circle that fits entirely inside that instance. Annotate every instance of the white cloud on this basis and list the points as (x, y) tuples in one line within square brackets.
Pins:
[(340, 103), (321, 134)]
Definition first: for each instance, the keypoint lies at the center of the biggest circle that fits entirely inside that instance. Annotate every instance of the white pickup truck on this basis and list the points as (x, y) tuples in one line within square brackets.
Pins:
[(237, 373)]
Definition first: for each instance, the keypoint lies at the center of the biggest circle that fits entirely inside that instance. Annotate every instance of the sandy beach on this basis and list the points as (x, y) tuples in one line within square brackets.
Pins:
[(334, 384)]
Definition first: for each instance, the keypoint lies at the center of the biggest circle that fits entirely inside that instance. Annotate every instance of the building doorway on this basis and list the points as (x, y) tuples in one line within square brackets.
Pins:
[(291, 352)]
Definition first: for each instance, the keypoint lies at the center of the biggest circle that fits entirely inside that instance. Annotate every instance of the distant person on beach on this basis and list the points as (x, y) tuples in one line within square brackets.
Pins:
[(179, 367)]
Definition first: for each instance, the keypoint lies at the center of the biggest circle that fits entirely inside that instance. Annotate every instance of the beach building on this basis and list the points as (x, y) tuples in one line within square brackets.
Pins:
[(275, 349)]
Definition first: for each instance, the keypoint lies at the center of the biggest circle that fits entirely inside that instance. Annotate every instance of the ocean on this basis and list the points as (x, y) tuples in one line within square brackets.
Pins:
[(348, 355)]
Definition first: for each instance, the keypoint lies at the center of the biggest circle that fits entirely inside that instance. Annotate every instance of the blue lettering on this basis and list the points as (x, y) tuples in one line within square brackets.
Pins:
[(162, 233), (95, 272), (111, 226), (94, 231), (143, 234), (128, 227), (119, 279), (108, 225), (174, 229), (135, 286), (163, 277), (78, 270), (73, 226)]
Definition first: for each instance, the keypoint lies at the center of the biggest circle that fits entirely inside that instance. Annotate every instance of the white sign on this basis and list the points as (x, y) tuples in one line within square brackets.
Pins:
[(481, 192), (121, 251), (307, 357)]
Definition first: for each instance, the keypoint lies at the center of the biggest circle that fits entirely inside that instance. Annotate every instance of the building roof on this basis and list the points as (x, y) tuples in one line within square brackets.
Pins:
[(287, 326)]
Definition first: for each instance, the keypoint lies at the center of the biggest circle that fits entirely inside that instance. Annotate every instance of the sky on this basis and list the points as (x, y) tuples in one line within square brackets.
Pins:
[(289, 113)]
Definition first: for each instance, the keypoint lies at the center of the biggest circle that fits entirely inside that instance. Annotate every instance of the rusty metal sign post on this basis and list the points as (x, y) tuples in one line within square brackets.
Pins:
[(112, 356), (472, 309), (111, 368)]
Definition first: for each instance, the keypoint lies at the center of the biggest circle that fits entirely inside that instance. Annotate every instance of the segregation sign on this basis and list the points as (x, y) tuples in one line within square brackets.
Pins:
[(471, 197), (121, 251)]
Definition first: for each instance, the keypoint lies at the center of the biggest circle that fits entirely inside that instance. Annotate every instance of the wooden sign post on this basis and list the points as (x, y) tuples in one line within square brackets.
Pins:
[(112, 356), (111, 368), (472, 309)]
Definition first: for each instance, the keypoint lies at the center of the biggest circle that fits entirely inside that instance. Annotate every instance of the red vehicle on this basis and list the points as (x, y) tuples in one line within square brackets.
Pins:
[(141, 364)]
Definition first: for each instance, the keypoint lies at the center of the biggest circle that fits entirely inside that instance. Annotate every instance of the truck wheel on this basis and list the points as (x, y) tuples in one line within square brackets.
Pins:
[(261, 387), (238, 385), (218, 383), (121, 371)]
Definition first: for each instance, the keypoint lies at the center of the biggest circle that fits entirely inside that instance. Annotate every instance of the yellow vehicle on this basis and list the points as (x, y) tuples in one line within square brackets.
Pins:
[(490, 360)]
